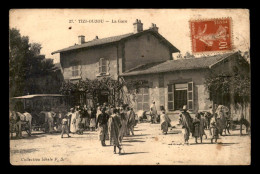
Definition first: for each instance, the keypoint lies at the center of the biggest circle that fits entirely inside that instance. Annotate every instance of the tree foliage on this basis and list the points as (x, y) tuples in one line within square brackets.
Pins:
[(230, 84), (93, 87), (186, 56), (25, 64)]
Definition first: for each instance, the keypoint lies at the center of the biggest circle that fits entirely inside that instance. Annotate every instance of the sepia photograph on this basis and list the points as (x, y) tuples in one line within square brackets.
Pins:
[(129, 87)]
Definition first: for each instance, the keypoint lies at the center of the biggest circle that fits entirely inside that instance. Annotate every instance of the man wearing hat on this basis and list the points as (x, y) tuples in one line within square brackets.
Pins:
[(186, 121)]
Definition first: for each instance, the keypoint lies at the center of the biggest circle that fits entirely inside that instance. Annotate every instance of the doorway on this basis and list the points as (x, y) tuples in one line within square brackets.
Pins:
[(103, 97)]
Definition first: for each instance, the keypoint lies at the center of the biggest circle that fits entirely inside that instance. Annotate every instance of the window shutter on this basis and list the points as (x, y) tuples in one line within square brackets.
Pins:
[(79, 70), (100, 65), (170, 97), (71, 71), (107, 63), (97, 69), (190, 96)]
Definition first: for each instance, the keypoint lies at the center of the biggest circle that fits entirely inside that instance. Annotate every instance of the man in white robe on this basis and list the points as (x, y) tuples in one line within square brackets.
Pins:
[(153, 112)]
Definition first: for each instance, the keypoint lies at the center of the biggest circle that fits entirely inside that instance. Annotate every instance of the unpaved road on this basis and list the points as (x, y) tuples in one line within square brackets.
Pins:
[(147, 147)]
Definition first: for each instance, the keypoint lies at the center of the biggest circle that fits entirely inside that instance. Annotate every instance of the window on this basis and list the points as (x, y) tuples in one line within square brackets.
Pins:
[(179, 95), (143, 99), (103, 66), (75, 70)]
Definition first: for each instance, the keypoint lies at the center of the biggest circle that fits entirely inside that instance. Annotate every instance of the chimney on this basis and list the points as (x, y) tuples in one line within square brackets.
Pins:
[(138, 26), (154, 27), (81, 39)]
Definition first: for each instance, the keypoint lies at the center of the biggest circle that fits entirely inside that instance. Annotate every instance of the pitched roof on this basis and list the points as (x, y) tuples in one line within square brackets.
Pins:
[(180, 64), (112, 39)]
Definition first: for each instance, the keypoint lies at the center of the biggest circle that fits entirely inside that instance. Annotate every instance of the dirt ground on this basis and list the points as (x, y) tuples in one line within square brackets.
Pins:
[(147, 147)]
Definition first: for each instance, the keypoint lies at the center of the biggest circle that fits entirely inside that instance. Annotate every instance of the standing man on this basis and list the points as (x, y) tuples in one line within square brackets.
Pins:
[(102, 124), (69, 114), (214, 131), (131, 120), (84, 116), (65, 126), (73, 121), (203, 125), (28, 119), (123, 120), (51, 116), (49, 119), (153, 112), (196, 125), (115, 130), (93, 119), (186, 121), (98, 110)]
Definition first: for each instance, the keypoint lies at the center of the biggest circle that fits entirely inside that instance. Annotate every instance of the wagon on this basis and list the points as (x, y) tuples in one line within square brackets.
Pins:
[(37, 103), (14, 126)]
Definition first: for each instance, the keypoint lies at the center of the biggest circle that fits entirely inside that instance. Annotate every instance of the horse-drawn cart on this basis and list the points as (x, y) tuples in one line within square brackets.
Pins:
[(34, 104), (19, 123)]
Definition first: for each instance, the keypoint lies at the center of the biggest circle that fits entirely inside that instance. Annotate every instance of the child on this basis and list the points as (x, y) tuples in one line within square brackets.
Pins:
[(64, 127), (213, 126), (196, 125)]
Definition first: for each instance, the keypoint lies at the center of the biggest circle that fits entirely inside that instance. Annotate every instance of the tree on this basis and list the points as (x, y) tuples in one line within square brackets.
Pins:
[(189, 55), (94, 87), (179, 56), (26, 64), (228, 86)]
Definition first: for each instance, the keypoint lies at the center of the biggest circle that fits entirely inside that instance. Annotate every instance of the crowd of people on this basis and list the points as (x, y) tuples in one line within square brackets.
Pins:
[(216, 122), (113, 123)]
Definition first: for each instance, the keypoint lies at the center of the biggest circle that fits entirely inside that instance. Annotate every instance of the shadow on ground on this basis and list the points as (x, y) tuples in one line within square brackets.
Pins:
[(127, 145), (23, 151), (218, 143), (32, 137), (133, 140), (139, 135), (228, 135), (131, 153)]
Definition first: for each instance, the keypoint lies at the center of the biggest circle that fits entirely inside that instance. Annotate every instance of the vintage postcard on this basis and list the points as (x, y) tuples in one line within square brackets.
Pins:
[(129, 87)]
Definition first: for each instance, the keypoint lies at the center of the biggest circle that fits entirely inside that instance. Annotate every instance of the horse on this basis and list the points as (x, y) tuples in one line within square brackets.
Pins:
[(208, 117), (240, 120), (14, 124), (20, 122), (223, 123), (26, 121)]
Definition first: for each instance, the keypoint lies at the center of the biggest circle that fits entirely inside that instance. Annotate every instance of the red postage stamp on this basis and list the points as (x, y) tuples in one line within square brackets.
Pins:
[(211, 35)]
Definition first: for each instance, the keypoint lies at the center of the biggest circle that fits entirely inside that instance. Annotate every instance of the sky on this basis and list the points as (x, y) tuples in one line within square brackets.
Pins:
[(53, 30)]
